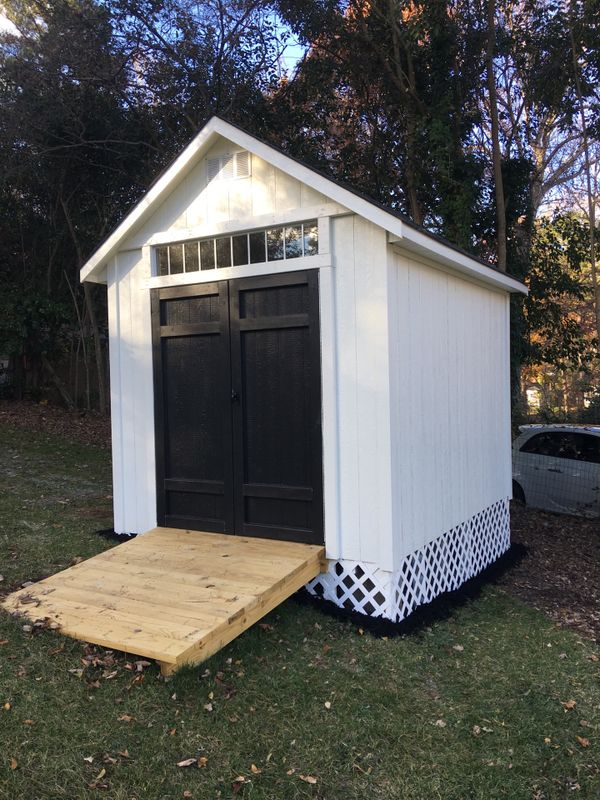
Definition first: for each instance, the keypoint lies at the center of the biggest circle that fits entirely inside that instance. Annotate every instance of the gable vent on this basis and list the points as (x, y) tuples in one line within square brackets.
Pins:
[(235, 165)]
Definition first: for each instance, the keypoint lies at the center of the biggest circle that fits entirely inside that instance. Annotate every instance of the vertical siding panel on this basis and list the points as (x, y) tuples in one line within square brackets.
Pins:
[(400, 405), (240, 199), (373, 408), (143, 401), (329, 414), (287, 192), (263, 187), (343, 253), (116, 411), (127, 387)]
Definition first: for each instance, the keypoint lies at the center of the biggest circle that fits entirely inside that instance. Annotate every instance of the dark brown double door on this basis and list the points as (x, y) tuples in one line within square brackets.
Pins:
[(238, 407)]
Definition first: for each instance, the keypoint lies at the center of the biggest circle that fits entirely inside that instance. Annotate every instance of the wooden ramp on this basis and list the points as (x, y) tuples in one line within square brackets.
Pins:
[(176, 596)]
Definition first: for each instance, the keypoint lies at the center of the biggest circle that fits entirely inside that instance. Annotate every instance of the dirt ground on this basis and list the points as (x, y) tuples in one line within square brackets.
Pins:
[(560, 574), (85, 427)]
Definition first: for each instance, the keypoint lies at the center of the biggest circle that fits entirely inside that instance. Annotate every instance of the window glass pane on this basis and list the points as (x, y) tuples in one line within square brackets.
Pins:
[(275, 244), (175, 259), (191, 257), (240, 250), (543, 444), (257, 248), (311, 238), (293, 241), (207, 254), (590, 448), (570, 446), (162, 260), (224, 251)]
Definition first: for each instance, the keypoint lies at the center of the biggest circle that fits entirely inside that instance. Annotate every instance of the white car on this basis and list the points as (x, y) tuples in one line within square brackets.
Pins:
[(557, 468)]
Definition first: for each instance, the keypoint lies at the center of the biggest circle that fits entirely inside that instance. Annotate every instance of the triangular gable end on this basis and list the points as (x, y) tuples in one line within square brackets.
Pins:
[(173, 194)]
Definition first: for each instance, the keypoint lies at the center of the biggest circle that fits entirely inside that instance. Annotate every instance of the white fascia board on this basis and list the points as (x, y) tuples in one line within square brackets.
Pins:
[(431, 249), (153, 197)]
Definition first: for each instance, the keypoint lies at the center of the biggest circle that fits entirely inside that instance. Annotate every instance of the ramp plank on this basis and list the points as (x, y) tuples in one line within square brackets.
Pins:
[(177, 596)]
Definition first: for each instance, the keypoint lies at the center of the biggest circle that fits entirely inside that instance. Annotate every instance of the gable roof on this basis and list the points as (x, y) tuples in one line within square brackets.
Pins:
[(402, 230)]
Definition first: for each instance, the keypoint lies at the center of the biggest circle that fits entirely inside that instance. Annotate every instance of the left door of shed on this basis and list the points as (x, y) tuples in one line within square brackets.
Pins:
[(192, 395)]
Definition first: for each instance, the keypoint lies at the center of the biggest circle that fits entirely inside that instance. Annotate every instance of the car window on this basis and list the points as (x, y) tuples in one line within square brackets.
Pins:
[(557, 444), (542, 444), (589, 447)]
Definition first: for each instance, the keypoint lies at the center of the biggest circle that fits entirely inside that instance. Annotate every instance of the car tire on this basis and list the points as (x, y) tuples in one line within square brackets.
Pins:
[(518, 493)]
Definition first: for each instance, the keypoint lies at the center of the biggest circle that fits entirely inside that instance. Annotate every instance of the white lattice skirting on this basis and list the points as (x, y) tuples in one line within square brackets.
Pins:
[(440, 566)]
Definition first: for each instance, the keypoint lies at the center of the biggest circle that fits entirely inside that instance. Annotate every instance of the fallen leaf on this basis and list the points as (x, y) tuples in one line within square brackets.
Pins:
[(583, 741), (7, 706), (584, 723), (3, 641), (264, 626), (255, 770), (89, 759), (98, 778), (173, 731), (476, 730), (208, 707), (327, 704), (290, 771), (458, 647), (125, 718), (593, 657), (31, 722), (568, 704), (308, 779), (187, 762), (123, 753), (202, 762), (187, 793), (439, 723), (14, 763)]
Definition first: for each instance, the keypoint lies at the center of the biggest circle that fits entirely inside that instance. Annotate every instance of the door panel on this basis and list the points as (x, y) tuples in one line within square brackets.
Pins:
[(238, 407), (277, 421), (193, 421)]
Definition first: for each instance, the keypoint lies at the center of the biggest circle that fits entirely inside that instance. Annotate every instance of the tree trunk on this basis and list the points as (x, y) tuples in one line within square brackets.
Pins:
[(97, 347), (496, 154), (591, 200), (62, 389), (91, 312)]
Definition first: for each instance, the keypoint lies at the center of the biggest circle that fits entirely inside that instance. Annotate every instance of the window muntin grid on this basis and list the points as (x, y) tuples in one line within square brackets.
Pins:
[(277, 243)]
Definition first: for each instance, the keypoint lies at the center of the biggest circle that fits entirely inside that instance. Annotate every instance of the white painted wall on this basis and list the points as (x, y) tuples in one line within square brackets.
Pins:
[(131, 390), (196, 203), (360, 277), (450, 400)]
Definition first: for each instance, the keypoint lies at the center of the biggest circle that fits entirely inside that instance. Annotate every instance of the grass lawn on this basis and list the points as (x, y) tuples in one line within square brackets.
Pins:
[(495, 702)]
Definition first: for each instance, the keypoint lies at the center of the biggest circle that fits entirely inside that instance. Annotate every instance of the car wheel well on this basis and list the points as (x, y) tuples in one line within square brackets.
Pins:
[(518, 493)]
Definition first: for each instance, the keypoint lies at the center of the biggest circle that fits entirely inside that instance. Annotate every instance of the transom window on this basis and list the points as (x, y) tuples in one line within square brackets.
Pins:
[(256, 247)]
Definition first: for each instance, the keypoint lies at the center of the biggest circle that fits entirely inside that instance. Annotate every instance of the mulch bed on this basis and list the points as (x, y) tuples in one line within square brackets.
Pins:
[(85, 427), (560, 574)]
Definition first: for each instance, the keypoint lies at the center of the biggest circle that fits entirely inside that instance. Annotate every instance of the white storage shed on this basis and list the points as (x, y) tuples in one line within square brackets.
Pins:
[(290, 360)]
